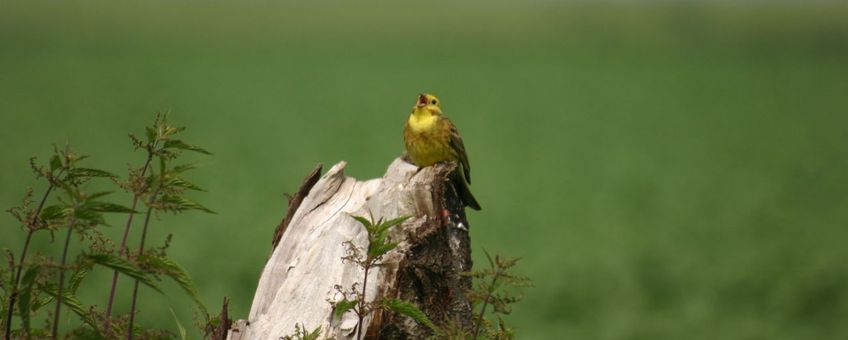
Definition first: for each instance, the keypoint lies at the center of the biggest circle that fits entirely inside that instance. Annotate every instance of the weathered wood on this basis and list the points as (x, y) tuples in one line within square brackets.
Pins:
[(294, 203), (434, 248)]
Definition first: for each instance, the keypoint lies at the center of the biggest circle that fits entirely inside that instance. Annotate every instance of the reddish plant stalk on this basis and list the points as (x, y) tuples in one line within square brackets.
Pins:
[(31, 231), (123, 248)]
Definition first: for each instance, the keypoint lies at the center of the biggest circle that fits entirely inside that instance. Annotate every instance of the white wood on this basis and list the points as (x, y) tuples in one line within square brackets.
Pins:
[(298, 278)]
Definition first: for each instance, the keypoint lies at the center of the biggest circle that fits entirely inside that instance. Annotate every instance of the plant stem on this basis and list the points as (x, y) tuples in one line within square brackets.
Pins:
[(362, 303), (486, 302), (123, 247), (31, 231), (140, 252), (60, 293)]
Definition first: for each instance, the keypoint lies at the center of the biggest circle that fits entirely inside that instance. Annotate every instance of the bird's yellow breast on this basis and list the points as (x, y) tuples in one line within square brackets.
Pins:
[(427, 140)]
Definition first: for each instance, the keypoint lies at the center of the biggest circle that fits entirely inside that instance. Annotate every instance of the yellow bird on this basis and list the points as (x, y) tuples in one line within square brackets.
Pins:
[(430, 138)]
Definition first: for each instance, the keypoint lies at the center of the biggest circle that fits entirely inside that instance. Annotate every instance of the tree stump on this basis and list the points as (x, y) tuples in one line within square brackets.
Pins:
[(425, 268)]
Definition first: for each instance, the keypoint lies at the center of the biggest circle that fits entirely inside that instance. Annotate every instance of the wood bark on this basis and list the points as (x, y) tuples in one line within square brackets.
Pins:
[(425, 269)]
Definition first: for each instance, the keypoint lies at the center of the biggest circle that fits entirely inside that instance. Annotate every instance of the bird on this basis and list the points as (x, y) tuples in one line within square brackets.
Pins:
[(430, 138)]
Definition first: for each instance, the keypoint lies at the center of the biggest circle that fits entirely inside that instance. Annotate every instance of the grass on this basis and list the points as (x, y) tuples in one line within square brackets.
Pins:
[(665, 170)]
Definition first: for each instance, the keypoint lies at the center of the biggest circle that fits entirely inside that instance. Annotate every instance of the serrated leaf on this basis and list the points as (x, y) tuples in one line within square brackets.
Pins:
[(24, 305), (70, 300), (377, 250), (179, 182), (184, 167), (393, 222), (89, 215), (362, 220), (124, 267), (179, 275), (405, 308), (54, 212), (178, 144), (108, 207), (89, 172), (76, 278), (55, 163), (178, 203), (96, 195), (344, 306)]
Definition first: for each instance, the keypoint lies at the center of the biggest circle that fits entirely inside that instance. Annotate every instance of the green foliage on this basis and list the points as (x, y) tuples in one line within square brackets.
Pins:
[(180, 327), (70, 300), (378, 244), (405, 308), (36, 281), (301, 333), (341, 307), (125, 267), (27, 285), (494, 286), (163, 265)]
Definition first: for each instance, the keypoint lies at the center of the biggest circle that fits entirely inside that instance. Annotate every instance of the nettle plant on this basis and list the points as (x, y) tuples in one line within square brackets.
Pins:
[(32, 282), (495, 286)]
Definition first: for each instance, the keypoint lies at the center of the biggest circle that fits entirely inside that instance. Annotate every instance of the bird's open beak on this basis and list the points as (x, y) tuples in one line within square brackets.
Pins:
[(422, 100)]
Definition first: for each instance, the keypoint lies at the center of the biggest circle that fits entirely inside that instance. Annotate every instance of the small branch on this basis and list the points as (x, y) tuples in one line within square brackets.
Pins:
[(60, 292)]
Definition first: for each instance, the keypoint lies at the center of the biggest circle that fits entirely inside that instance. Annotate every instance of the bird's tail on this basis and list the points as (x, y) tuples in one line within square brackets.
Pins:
[(463, 191)]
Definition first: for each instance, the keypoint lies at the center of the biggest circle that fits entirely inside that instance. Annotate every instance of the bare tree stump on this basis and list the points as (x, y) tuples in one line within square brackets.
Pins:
[(434, 248)]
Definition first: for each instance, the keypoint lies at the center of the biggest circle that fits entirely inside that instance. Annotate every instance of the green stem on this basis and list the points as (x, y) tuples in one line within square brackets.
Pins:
[(486, 302), (140, 252), (13, 297), (60, 292), (123, 247), (362, 304)]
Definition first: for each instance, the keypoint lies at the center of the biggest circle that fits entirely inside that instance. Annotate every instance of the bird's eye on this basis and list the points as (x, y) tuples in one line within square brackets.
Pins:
[(433, 102)]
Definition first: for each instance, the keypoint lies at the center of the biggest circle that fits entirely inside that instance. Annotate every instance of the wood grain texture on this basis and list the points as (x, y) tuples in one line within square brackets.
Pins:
[(298, 279)]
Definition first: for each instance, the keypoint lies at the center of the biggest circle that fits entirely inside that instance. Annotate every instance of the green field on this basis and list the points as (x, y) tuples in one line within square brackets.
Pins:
[(666, 171)]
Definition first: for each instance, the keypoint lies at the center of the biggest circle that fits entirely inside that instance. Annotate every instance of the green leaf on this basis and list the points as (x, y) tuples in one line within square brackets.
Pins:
[(184, 167), (108, 207), (344, 306), (178, 274), (24, 305), (313, 335), (405, 308), (76, 279), (85, 214), (362, 220), (393, 222), (176, 203), (96, 195), (70, 300), (89, 172), (376, 250), (179, 182), (124, 267), (55, 163), (54, 212), (179, 324), (178, 144), (151, 134)]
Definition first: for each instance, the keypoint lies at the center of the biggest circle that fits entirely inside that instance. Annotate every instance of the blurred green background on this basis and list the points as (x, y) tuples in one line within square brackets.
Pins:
[(667, 170)]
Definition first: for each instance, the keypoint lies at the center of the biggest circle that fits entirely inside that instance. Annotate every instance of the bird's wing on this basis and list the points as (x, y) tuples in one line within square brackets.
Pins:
[(459, 147)]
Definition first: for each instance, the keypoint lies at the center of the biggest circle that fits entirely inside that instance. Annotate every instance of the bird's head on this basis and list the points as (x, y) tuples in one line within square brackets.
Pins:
[(427, 104)]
